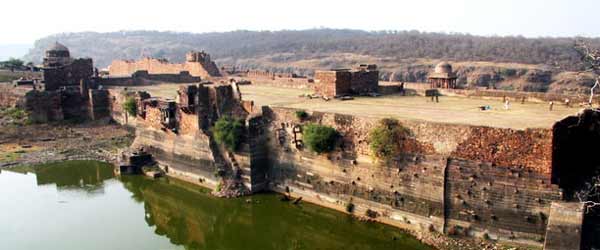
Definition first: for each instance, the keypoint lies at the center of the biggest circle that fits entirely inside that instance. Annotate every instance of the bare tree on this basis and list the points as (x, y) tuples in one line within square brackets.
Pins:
[(589, 195), (591, 59)]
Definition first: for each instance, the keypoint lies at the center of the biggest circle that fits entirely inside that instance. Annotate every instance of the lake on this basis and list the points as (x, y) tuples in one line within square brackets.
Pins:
[(82, 205)]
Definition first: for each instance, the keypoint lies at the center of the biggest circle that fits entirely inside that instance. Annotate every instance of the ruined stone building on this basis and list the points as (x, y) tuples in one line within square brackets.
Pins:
[(442, 77), (67, 90), (62, 70), (362, 80), (197, 64)]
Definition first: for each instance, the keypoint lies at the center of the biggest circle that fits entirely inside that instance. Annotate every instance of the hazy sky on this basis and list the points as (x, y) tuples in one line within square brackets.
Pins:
[(25, 21)]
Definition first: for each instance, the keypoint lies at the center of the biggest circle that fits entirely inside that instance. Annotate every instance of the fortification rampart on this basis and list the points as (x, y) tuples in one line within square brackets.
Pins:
[(204, 69), (449, 178)]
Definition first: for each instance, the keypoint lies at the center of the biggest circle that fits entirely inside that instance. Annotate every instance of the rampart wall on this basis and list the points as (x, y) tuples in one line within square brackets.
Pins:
[(456, 179), (160, 66)]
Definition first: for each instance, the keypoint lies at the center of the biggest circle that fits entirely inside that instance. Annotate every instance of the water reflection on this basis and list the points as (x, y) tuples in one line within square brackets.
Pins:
[(86, 176), (134, 212), (188, 216)]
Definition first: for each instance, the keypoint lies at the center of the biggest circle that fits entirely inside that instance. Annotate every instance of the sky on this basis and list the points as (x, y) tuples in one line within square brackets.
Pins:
[(34, 19)]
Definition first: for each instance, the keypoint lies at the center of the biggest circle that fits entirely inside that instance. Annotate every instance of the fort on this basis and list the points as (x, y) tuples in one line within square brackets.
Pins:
[(506, 175)]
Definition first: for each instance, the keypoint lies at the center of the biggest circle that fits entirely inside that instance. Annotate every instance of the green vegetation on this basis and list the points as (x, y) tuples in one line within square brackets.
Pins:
[(301, 115), (319, 138), (350, 207), (229, 132), (130, 106), (14, 113), (385, 137), (12, 64), (508, 72)]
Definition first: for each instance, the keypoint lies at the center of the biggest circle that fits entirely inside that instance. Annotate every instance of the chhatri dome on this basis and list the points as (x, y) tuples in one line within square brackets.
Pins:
[(443, 68), (57, 55), (442, 77)]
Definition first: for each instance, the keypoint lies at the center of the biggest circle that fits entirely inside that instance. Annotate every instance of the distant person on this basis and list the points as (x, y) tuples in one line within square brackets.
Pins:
[(567, 102), (551, 105), (506, 104), (523, 100)]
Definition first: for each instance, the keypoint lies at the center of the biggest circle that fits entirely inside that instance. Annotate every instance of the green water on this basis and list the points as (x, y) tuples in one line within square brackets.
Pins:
[(81, 205)]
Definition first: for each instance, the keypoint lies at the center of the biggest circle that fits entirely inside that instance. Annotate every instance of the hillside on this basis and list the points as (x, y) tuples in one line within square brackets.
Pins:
[(505, 62)]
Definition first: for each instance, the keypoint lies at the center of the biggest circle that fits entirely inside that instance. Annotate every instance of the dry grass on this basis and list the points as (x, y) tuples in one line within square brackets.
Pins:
[(456, 110)]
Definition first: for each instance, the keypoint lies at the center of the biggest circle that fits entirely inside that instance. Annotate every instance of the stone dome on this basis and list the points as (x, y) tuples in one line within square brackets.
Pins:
[(57, 47), (443, 68), (57, 50), (57, 55)]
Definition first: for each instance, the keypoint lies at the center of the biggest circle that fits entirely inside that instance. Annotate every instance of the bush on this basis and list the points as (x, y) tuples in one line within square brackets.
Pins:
[(130, 106), (350, 207), (371, 213), (319, 138), (15, 113), (229, 132), (385, 137), (301, 115)]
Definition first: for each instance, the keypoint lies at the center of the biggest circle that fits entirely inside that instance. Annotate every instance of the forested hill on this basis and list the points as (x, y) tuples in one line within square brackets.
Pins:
[(315, 44)]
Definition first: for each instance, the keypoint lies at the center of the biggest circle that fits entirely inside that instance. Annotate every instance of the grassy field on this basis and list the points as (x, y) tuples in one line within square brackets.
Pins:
[(457, 110)]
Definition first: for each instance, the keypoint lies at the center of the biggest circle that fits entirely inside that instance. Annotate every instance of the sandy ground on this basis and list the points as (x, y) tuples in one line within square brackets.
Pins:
[(457, 110)]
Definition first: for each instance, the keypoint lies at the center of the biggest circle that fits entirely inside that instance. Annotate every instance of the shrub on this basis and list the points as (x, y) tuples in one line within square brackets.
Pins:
[(301, 115), (15, 113), (319, 138), (371, 213), (229, 132), (130, 106), (350, 207), (385, 137)]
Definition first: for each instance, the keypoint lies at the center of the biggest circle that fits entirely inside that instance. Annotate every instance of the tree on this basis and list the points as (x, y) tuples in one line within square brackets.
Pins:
[(229, 132), (591, 60), (589, 195), (130, 106), (319, 138), (13, 64)]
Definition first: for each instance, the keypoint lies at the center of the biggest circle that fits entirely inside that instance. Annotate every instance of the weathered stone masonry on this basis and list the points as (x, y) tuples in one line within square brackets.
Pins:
[(481, 181), (198, 64)]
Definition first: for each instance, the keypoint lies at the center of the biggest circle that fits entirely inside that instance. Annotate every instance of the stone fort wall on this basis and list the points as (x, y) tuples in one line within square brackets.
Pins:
[(160, 66), (450, 178)]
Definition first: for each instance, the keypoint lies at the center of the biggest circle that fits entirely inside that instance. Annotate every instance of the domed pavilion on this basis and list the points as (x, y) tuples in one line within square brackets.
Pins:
[(443, 77)]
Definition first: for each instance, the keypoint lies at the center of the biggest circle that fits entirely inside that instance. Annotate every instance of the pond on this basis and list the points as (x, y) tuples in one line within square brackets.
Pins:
[(82, 205)]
